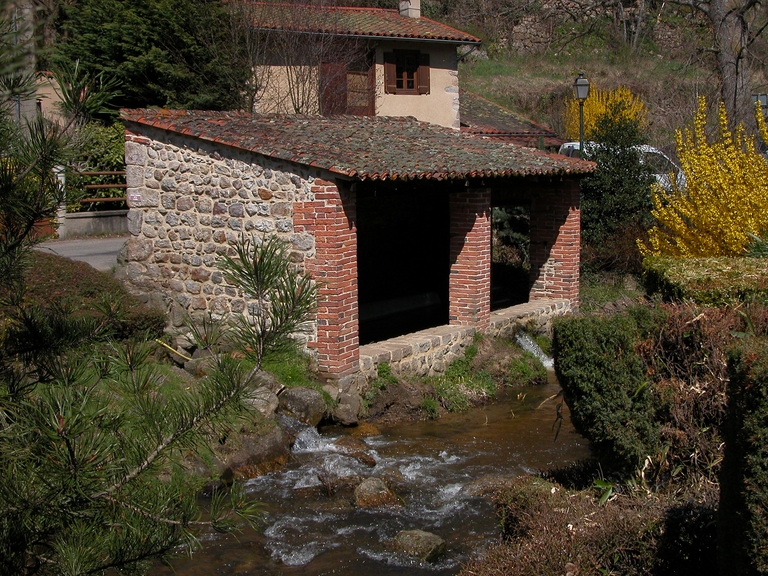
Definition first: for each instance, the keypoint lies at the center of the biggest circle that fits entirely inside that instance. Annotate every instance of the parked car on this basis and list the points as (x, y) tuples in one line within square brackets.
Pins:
[(661, 165)]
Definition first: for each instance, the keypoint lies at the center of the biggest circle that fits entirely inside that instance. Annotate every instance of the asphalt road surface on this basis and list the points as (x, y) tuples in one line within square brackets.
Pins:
[(101, 253)]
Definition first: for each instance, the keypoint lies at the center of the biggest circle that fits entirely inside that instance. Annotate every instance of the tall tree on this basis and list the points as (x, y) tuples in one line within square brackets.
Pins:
[(161, 51), (735, 26)]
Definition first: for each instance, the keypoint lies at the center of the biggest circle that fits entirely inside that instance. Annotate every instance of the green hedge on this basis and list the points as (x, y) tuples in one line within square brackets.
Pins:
[(743, 513), (708, 281), (606, 388)]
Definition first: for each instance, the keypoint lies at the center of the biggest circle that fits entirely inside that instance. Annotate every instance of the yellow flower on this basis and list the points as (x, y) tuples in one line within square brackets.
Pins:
[(725, 197), (599, 103)]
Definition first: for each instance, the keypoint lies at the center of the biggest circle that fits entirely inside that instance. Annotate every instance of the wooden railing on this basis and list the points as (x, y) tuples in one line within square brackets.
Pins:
[(95, 187)]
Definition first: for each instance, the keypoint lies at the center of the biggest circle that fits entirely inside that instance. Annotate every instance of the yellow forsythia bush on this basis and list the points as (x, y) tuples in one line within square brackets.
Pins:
[(599, 103), (725, 197)]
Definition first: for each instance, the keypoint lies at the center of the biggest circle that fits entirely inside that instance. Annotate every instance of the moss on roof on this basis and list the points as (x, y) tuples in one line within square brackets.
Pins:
[(482, 116), (367, 148), (353, 21)]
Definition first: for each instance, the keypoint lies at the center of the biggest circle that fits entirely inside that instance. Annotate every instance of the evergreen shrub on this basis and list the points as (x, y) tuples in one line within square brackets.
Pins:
[(606, 389), (743, 513)]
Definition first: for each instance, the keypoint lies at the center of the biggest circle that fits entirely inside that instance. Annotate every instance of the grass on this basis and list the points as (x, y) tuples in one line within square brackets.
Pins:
[(384, 378), (598, 289), (537, 86), (527, 369), (431, 407), (293, 368), (462, 385)]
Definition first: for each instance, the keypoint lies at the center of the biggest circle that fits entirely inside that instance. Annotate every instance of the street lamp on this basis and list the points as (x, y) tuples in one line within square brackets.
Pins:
[(581, 90)]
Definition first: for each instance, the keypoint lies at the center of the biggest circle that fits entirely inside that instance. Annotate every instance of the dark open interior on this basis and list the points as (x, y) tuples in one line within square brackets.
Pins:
[(403, 260)]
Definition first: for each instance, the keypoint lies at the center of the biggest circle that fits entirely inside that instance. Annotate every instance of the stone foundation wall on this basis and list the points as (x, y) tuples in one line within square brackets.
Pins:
[(424, 353), (428, 352), (189, 202)]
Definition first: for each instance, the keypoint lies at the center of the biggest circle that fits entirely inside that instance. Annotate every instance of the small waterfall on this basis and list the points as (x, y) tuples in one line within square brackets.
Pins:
[(529, 345)]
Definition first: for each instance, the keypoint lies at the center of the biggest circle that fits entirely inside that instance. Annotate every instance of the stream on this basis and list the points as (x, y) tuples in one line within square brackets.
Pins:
[(307, 531)]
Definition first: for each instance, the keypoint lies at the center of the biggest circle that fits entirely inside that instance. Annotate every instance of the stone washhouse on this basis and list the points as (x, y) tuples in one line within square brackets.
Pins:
[(391, 216)]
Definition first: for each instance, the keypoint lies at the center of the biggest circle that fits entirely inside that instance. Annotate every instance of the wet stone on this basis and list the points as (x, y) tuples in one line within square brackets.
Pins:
[(425, 546), (373, 493)]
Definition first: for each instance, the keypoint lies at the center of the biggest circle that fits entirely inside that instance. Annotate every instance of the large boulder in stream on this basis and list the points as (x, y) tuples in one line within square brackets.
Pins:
[(304, 404), (251, 453), (347, 409), (373, 492), (425, 546)]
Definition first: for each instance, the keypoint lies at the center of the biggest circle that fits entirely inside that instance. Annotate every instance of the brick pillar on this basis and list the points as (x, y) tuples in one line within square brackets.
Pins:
[(555, 242), (469, 288), (330, 218)]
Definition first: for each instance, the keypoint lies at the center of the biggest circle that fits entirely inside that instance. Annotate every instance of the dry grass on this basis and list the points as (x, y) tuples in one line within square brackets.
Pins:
[(537, 86), (552, 531)]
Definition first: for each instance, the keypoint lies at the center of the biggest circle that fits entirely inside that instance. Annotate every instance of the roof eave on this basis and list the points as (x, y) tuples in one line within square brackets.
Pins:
[(380, 37)]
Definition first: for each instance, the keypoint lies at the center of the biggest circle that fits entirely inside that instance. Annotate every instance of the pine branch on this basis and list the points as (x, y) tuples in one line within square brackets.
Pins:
[(170, 439)]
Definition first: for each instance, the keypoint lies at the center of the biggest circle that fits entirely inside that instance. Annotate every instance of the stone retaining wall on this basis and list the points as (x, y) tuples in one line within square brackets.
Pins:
[(428, 352), (72, 225)]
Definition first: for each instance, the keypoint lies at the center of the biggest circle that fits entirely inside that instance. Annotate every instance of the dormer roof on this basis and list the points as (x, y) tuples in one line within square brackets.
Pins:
[(483, 117), (368, 23)]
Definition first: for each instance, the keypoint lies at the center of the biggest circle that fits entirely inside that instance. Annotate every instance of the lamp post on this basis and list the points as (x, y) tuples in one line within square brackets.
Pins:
[(581, 90)]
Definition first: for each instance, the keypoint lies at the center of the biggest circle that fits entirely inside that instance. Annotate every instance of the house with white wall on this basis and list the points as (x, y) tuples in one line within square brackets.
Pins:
[(362, 61)]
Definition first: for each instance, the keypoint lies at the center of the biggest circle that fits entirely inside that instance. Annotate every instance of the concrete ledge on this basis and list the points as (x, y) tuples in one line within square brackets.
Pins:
[(92, 223), (428, 352)]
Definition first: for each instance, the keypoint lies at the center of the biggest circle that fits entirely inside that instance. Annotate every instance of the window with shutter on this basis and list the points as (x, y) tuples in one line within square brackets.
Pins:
[(406, 72)]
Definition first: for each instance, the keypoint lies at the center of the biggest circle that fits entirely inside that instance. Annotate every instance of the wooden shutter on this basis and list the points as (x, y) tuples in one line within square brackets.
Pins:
[(333, 88), (423, 75), (390, 73)]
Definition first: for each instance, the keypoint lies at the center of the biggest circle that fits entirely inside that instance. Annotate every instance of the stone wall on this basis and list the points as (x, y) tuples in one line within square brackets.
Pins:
[(428, 352), (189, 201)]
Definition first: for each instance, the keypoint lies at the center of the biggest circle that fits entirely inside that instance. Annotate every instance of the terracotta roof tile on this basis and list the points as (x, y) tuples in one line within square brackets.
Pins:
[(482, 116), (367, 148), (352, 21)]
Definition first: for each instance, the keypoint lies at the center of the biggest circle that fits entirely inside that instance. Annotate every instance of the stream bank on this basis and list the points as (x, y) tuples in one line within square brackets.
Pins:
[(439, 470)]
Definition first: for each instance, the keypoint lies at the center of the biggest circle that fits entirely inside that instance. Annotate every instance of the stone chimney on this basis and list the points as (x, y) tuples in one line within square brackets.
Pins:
[(410, 8)]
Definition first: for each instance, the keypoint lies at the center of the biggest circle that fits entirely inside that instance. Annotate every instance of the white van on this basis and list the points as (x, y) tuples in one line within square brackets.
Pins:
[(660, 164)]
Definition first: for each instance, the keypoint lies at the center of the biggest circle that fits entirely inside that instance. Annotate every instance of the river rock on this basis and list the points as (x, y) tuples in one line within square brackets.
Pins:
[(263, 379), (304, 404), (372, 493), (346, 411), (264, 400), (425, 546), (245, 455), (487, 484), (356, 449), (333, 391), (242, 455), (200, 366), (364, 430)]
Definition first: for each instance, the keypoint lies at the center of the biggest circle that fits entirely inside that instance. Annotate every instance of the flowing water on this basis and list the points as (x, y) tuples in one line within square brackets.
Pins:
[(308, 531)]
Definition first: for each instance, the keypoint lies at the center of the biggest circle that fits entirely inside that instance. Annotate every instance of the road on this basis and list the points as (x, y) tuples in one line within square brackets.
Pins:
[(101, 253)]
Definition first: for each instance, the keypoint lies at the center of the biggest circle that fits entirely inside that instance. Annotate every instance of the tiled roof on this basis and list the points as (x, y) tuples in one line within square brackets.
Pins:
[(367, 148), (349, 21), (481, 116)]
